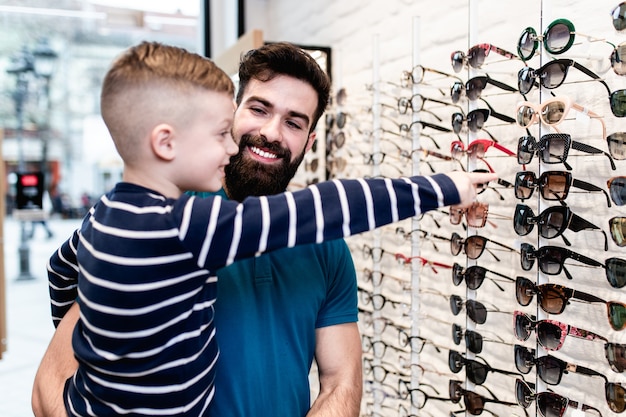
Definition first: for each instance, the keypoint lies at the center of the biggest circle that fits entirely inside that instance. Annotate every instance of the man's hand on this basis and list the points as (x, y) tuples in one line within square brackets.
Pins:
[(469, 184), (57, 365)]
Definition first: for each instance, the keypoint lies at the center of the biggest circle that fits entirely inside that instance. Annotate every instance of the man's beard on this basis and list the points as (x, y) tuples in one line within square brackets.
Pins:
[(245, 177)]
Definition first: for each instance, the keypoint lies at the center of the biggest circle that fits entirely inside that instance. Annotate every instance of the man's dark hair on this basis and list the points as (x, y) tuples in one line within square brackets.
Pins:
[(283, 58)]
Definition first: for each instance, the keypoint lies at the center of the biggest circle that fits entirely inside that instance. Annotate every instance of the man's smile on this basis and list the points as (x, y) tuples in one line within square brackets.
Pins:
[(262, 153)]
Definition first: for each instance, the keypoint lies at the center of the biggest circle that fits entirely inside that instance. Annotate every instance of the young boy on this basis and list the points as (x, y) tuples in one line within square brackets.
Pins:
[(143, 262)]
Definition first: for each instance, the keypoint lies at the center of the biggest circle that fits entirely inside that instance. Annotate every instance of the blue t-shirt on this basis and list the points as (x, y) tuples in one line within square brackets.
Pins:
[(266, 314)]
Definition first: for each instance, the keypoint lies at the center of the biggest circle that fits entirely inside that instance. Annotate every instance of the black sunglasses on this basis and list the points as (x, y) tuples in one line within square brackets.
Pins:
[(474, 276), (615, 272), (551, 259), (555, 186), (552, 222), (549, 404), (474, 402), (549, 368), (474, 87), (552, 75), (617, 101), (473, 340), (476, 310), (476, 119), (475, 371), (553, 148), (474, 246)]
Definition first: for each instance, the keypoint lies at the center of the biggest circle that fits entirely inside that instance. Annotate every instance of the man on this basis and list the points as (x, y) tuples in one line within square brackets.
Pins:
[(271, 320)]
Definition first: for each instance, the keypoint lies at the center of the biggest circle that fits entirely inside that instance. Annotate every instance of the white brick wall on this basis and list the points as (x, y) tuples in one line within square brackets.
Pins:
[(349, 28)]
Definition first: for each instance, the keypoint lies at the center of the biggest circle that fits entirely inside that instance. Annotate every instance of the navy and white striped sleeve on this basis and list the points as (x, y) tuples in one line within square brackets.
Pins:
[(325, 211), (63, 278)]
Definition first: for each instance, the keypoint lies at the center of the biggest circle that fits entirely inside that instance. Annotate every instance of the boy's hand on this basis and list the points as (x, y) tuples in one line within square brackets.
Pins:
[(468, 184)]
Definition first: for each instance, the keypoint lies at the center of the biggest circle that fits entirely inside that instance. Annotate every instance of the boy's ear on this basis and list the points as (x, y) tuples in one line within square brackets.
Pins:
[(162, 142)]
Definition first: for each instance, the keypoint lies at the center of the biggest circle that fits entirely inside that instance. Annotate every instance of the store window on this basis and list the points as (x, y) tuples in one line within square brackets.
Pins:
[(51, 121)]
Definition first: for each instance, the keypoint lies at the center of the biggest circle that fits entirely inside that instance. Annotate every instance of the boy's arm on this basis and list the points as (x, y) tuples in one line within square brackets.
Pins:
[(325, 211), (57, 365), (63, 278)]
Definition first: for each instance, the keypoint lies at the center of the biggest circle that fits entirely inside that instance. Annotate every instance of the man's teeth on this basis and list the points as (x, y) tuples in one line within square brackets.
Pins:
[(262, 153)]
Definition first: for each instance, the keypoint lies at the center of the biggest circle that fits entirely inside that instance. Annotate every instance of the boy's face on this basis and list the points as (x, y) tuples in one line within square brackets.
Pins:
[(207, 144), (271, 126)]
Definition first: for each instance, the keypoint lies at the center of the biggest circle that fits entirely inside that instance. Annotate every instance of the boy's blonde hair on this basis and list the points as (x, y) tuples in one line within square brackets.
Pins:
[(152, 83)]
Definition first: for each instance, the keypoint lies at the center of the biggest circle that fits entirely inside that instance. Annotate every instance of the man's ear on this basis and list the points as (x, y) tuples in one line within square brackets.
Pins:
[(311, 141), (162, 142)]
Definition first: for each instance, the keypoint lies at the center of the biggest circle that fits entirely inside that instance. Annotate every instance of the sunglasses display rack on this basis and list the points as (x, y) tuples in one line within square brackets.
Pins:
[(515, 306)]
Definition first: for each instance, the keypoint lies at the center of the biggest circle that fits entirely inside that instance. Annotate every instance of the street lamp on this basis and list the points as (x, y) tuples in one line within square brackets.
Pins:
[(44, 63), (38, 63)]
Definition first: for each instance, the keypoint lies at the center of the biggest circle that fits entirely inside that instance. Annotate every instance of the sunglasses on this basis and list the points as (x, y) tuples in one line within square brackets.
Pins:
[(406, 260), (552, 222), (553, 148), (416, 103), (616, 272), (473, 340), (475, 309), (474, 402), (378, 301), (555, 186), (475, 371), (615, 354), (617, 227), (474, 276), (475, 215), (552, 298), (475, 119), (552, 75), (553, 111), (476, 148), (617, 101), (417, 342), (549, 403), (557, 39), (551, 259), (474, 87), (417, 74), (549, 369), (551, 334), (476, 55), (616, 143), (618, 15), (617, 190), (617, 59), (473, 246)]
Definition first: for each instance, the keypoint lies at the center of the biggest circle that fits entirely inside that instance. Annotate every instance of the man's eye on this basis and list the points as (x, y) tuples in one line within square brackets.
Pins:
[(294, 125)]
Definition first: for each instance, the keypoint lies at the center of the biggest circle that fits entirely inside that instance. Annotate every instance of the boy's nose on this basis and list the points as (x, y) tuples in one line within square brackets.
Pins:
[(271, 130), (231, 147)]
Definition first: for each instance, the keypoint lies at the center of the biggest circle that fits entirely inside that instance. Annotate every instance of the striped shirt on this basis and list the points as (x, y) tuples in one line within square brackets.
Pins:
[(143, 266)]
